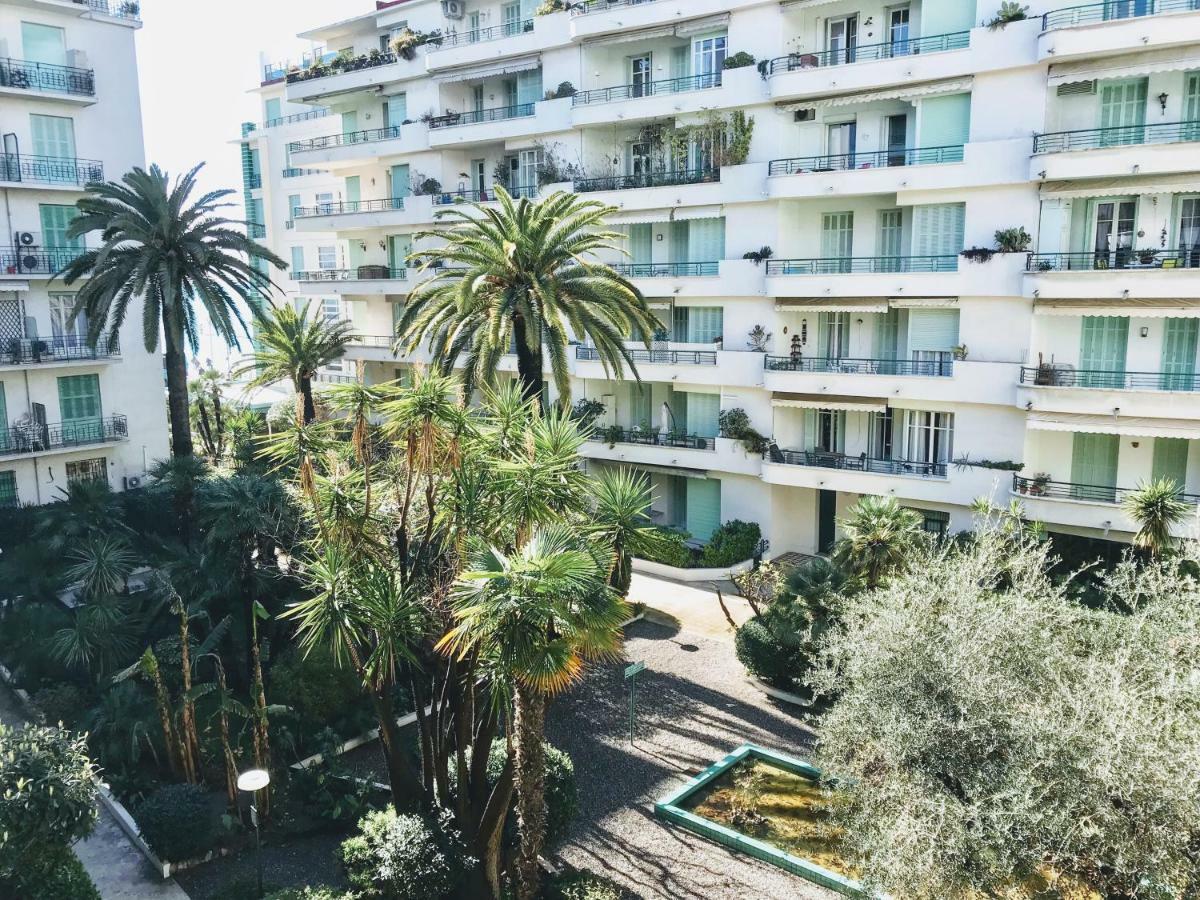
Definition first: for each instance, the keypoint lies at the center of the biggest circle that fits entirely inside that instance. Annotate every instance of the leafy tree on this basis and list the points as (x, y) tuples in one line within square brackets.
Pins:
[(209, 413), (621, 519), (292, 346), (523, 275), (160, 245), (878, 534), (1157, 508)]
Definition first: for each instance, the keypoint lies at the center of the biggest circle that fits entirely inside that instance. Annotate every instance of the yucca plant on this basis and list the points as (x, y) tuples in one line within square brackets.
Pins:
[(1156, 508)]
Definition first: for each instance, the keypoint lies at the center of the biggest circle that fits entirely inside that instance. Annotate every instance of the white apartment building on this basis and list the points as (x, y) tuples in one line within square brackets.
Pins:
[(887, 138), (69, 114)]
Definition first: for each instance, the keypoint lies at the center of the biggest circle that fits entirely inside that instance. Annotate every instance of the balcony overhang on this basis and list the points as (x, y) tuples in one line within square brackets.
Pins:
[(828, 401), (911, 92), (1122, 186), (1148, 62), (490, 70), (832, 304), (1142, 308), (1130, 426), (679, 471)]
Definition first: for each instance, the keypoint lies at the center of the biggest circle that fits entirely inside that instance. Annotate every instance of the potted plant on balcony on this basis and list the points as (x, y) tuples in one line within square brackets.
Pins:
[(959, 352), (758, 256), (1013, 240), (758, 338), (405, 44), (739, 60), (613, 435), (1147, 255), (1037, 484)]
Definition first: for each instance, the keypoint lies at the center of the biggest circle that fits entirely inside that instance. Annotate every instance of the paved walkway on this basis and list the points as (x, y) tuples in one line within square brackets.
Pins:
[(116, 866), (694, 606)]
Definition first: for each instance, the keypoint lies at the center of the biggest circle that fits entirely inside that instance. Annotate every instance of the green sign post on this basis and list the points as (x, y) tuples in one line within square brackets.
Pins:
[(631, 674)]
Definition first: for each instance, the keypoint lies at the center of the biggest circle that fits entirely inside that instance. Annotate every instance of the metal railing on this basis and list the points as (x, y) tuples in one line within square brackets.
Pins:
[(253, 182), (328, 69), (1121, 136), (653, 438), (299, 173), (667, 270), (362, 273), (857, 265), (823, 459), (663, 357), (297, 117), (330, 378), (474, 117), (348, 206), (942, 367), (36, 76), (448, 198), (583, 7), (36, 438), (47, 351), (872, 159), (482, 35), (126, 9), (1069, 376), (1071, 490), (346, 139), (256, 230), (935, 43), (384, 341), (36, 260), (1113, 10), (50, 169), (648, 179), (647, 89), (1105, 260)]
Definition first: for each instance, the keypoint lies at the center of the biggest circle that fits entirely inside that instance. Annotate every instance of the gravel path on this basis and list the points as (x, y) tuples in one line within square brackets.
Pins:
[(302, 861), (694, 706)]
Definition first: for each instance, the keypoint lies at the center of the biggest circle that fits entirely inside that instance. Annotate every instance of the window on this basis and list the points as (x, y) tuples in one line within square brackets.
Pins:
[(510, 15), (274, 110), (87, 470), (930, 437), (933, 521), (297, 260), (8, 489), (3, 409), (327, 257), (43, 44), (708, 55), (67, 333), (879, 440), (56, 220), (79, 406), (331, 309), (293, 205), (325, 203), (837, 241)]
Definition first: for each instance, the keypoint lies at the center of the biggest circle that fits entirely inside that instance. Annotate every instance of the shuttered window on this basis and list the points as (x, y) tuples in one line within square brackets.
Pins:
[(641, 243), (833, 334), (1123, 107), (643, 412), (8, 489), (702, 414), (79, 406), (891, 237), (401, 182), (56, 220), (703, 507), (698, 324), (397, 110), (43, 44), (945, 121), (679, 246), (3, 409), (1094, 466), (297, 260), (932, 330), (938, 229), (837, 239), (529, 86), (399, 247), (1103, 340), (53, 136), (1170, 460), (273, 110), (706, 240), (1179, 354), (887, 335)]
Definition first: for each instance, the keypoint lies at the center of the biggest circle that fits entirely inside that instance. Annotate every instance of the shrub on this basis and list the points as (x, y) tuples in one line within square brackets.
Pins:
[(406, 857), (739, 60), (582, 886), (562, 796), (671, 549), (320, 692), (586, 411), (327, 789), (1013, 240), (56, 872), (766, 656), (1010, 11), (307, 893), (735, 424), (734, 542), (63, 702), (179, 822)]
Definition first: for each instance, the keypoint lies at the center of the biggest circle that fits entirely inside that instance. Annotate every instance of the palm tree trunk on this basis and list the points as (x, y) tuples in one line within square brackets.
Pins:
[(231, 773), (309, 408), (262, 746), (529, 364), (177, 390), (189, 742), (163, 701), (529, 727)]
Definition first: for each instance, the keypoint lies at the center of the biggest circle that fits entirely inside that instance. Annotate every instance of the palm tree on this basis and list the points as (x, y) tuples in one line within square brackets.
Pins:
[(877, 536), (536, 616), (160, 246), (1156, 507), (621, 519), (294, 346), (523, 275)]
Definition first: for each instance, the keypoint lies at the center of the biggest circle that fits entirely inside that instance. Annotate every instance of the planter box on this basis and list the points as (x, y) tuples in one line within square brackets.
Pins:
[(659, 570)]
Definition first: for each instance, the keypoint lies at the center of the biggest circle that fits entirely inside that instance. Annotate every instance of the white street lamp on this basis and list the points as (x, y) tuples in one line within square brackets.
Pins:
[(251, 782)]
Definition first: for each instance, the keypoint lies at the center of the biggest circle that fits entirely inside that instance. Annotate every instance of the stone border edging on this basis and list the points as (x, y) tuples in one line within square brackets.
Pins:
[(661, 570), (778, 693)]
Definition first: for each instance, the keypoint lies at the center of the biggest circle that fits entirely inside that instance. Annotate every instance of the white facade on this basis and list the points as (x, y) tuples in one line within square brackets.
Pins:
[(69, 114), (887, 138)]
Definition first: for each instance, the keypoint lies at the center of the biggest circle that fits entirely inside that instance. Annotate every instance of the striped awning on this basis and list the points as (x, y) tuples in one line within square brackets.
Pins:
[(912, 92), (828, 401), (1183, 308), (13, 286), (490, 70), (668, 470), (1110, 187), (832, 304), (923, 302), (1131, 426), (1169, 59)]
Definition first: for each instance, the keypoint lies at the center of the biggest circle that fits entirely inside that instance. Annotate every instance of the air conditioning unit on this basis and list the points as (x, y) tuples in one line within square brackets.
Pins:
[(454, 9), (806, 115), (26, 239), (132, 482)]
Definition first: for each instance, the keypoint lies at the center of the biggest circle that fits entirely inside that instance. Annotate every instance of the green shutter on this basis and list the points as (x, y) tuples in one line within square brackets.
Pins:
[(946, 16), (891, 239), (397, 110), (704, 324), (679, 249), (1102, 350), (702, 414), (1094, 466), (529, 86), (1179, 354), (274, 110), (641, 244), (886, 335), (55, 221), (703, 507), (399, 247), (938, 230), (293, 205), (53, 136), (43, 44), (3, 411), (79, 407), (1123, 106), (349, 122), (353, 191), (643, 412), (681, 58), (8, 489), (297, 260), (1170, 460), (1191, 106), (837, 236), (401, 182), (932, 330), (945, 121), (706, 240)]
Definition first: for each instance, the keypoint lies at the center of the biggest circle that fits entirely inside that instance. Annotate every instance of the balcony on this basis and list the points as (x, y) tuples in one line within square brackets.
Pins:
[(297, 117), (125, 9), (21, 75), (26, 262), (362, 273), (346, 139), (327, 69), (451, 198), (648, 180), (34, 438), (919, 156), (656, 357), (1086, 493), (942, 367), (584, 7), (254, 182), (668, 270), (936, 43), (348, 207), (1070, 377), (475, 117), (292, 172), (1123, 136), (483, 35), (822, 459), (1126, 260), (58, 171), (56, 351), (618, 435), (1112, 10), (862, 265), (648, 89)]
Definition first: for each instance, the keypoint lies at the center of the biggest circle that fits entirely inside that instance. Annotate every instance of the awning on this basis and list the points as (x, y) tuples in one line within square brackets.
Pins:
[(828, 401), (832, 304), (685, 29), (1170, 59), (639, 217), (13, 286), (790, 4), (912, 92), (667, 470), (923, 302), (491, 70), (699, 26), (1131, 426), (1185, 308), (686, 214), (1119, 187), (659, 304)]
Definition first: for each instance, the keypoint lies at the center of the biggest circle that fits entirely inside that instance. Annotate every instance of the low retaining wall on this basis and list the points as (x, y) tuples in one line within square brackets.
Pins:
[(659, 570)]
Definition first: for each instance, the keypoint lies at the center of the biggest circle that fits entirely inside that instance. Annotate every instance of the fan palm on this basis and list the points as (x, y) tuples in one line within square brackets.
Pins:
[(536, 616), (290, 344), (621, 519), (160, 245), (523, 276), (1156, 507), (877, 536)]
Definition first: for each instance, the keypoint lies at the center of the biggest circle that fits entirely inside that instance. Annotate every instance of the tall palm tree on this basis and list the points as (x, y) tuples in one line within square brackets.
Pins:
[(523, 275), (1156, 508), (292, 345), (621, 519), (159, 245), (536, 616), (877, 536)]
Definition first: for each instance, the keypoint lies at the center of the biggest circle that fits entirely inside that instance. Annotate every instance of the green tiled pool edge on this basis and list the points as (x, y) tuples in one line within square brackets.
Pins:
[(668, 808)]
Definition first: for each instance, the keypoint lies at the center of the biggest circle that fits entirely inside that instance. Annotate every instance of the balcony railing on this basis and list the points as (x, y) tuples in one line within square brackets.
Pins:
[(1121, 136), (857, 265), (648, 179), (50, 169), (297, 117), (935, 43), (1125, 260), (494, 33), (326, 69), (125, 9), (647, 89), (873, 159), (474, 117), (374, 340), (36, 76), (362, 273), (34, 438), (256, 230), (583, 7), (1112, 10), (51, 350), (36, 260), (823, 459), (942, 367), (299, 173), (448, 198), (1070, 377), (1070, 490), (253, 182), (348, 206), (346, 139), (660, 357), (667, 270), (654, 439)]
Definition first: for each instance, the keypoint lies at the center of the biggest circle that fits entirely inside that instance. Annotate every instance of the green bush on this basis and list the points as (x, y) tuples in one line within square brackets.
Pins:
[(62, 702), (307, 893), (734, 542), (328, 789), (672, 549), (179, 822), (54, 873), (320, 693), (406, 857), (739, 60), (767, 657), (582, 886), (562, 796)]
